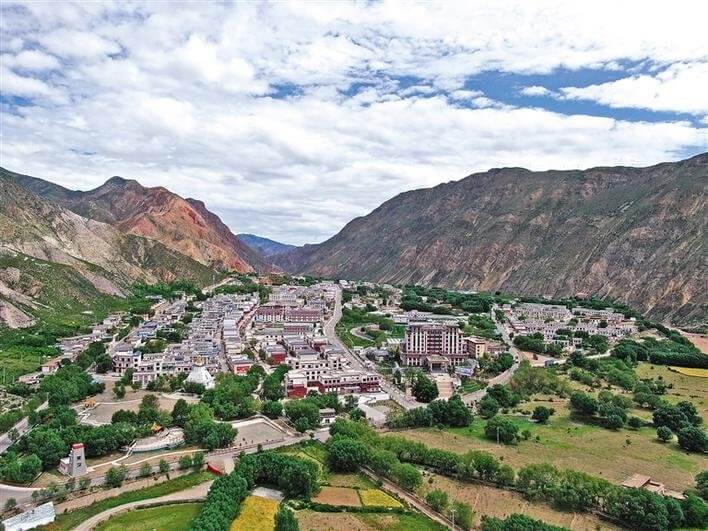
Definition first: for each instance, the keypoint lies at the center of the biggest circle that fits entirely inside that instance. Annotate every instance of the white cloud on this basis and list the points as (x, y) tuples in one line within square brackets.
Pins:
[(682, 87), (378, 102), (535, 90)]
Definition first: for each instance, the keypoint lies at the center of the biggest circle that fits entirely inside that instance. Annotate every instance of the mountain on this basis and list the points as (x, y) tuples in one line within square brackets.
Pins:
[(632, 234), (265, 246), (53, 258), (182, 225)]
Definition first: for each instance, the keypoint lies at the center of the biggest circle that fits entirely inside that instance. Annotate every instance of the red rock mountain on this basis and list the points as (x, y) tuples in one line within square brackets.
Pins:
[(183, 225)]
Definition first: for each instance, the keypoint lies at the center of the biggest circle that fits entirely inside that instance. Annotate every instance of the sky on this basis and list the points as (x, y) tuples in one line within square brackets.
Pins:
[(289, 119)]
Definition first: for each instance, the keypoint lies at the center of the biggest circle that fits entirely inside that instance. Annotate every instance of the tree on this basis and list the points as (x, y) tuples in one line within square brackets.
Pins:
[(10, 504), (437, 499), (306, 409), (583, 403), (692, 439), (695, 511), (702, 484), (407, 476), (164, 466), (48, 445), (180, 413), (84, 483), (541, 414), (347, 455), (272, 409), (104, 363), (424, 389), (488, 406), (503, 395), (197, 460), (145, 470), (635, 422), (116, 475), (185, 462), (119, 390), (464, 515), (664, 433), (285, 519), (502, 429)]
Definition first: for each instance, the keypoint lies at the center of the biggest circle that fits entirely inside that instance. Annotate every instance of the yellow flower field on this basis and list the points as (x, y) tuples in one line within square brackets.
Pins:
[(377, 498), (257, 514), (700, 373)]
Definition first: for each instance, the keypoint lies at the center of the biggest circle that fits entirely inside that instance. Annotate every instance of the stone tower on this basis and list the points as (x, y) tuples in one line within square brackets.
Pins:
[(75, 464)]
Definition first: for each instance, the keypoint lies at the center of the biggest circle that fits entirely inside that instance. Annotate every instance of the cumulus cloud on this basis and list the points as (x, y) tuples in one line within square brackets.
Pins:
[(535, 90), (289, 119), (681, 87)]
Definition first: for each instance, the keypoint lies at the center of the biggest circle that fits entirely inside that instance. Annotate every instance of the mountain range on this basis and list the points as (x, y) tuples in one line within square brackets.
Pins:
[(632, 234), (265, 246), (101, 241), (636, 235)]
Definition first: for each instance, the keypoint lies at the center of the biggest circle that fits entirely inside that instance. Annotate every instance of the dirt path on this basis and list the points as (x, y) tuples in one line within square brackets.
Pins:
[(196, 494)]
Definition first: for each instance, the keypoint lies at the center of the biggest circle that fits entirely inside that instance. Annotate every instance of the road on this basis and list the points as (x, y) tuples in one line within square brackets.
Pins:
[(196, 494), (356, 362), (22, 427)]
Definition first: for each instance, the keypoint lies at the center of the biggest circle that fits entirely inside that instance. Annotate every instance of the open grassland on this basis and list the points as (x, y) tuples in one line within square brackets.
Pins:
[(687, 371), (256, 514), (568, 443), (357, 481), (501, 503), (684, 386), (315, 521), (176, 517), (69, 520), (338, 496), (377, 498)]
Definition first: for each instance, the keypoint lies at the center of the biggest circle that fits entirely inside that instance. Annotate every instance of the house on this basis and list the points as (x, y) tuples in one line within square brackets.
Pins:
[(328, 416), (640, 481)]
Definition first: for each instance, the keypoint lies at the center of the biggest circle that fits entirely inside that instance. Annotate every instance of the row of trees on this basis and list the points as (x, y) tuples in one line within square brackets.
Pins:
[(295, 477), (565, 489), (452, 412)]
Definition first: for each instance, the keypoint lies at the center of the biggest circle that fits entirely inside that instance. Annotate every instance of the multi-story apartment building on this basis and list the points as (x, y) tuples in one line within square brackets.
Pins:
[(298, 383)]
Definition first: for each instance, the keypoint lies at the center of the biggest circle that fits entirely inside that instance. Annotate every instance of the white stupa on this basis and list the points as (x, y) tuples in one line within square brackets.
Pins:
[(200, 375)]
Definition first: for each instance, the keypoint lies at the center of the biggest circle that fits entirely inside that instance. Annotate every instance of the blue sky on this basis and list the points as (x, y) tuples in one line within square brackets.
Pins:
[(289, 119)]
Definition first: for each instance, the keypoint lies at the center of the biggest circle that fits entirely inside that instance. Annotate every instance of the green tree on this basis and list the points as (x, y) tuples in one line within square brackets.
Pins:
[(347, 455), (424, 389), (541, 414), (664, 433), (437, 499), (695, 511), (115, 476), (583, 403), (197, 460), (164, 466), (272, 409), (145, 470), (285, 519), (488, 406), (692, 439), (407, 476), (180, 413), (702, 484), (185, 462), (502, 429), (464, 515)]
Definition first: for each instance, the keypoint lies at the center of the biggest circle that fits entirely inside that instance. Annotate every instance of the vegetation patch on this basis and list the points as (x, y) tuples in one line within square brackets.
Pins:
[(699, 373), (257, 514), (163, 518), (377, 498)]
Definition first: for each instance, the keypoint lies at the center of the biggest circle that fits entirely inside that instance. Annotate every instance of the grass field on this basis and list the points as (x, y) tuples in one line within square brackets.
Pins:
[(501, 503), (314, 521), (338, 496), (67, 521), (685, 387), (570, 444), (377, 498), (176, 517), (359, 481), (687, 371), (256, 514)]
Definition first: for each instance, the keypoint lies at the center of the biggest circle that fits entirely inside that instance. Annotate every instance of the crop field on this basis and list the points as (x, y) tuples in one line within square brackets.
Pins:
[(567, 443), (377, 498), (164, 518), (257, 514), (501, 503), (338, 496), (315, 521), (359, 481)]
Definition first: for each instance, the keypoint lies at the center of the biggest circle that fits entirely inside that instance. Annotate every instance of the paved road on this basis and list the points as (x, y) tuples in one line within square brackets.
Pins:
[(356, 362), (22, 427), (197, 493)]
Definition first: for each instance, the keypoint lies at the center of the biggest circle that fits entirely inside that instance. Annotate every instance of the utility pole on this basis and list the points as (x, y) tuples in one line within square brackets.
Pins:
[(497, 434)]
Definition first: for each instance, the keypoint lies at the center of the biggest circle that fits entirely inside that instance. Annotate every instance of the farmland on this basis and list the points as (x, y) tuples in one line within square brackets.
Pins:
[(490, 501), (316, 521), (257, 514), (684, 387), (570, 444)]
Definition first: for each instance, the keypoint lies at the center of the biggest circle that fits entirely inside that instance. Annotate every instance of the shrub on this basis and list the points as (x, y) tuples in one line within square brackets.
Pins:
[(437, 499), (501, 429)]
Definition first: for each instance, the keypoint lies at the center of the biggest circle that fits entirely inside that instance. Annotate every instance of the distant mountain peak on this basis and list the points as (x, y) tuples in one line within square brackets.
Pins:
[(265, 246)]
